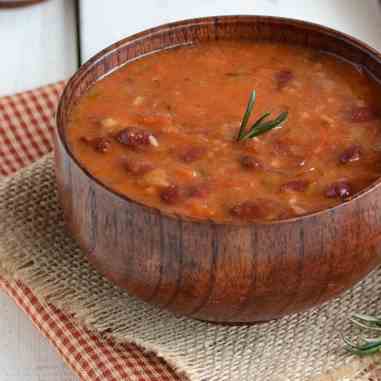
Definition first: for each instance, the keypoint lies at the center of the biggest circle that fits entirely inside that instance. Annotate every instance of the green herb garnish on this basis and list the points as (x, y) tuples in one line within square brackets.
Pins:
[(365, 345), (261, 125)]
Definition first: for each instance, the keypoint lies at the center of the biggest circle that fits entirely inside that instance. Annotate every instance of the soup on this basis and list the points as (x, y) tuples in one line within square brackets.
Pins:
[(164, 130)]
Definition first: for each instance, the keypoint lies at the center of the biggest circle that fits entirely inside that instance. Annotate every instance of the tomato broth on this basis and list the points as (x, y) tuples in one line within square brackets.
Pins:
[(163, 130)]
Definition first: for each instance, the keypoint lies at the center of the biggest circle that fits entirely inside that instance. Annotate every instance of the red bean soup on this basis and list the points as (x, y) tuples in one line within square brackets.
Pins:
[(164, 130)]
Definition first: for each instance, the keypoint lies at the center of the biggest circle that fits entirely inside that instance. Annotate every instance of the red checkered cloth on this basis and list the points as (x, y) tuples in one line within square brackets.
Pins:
[(26, 125)]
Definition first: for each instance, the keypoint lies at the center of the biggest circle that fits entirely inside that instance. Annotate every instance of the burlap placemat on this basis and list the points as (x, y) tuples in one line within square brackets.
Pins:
[(36, 249), (26, 125)]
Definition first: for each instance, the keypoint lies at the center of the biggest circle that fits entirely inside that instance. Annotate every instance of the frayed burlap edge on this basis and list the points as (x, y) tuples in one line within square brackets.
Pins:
[(20, 266), (23, 256), (29, 275)]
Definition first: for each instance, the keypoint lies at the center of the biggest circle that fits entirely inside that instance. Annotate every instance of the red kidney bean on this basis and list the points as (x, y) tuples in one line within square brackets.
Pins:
[(295, 186), (138, 168), (192, 154), (352, 153), (339, 189), (85, 139), (198, 191), (134, 137), (250, 162), (283, 77), (100, 144), (362, 114), (170, 195)]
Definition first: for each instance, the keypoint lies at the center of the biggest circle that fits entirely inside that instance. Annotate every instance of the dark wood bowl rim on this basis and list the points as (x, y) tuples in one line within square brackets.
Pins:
[(87, 66)]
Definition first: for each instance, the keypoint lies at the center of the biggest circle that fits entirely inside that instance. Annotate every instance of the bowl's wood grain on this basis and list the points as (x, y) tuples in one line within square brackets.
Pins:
[(221, 273)]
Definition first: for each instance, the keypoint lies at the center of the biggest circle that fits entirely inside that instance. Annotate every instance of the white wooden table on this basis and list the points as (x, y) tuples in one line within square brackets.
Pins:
[(39, 45), (105, 23)]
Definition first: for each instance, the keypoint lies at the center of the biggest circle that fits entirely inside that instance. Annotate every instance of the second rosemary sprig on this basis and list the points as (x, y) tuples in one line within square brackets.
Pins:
[(365, 344)]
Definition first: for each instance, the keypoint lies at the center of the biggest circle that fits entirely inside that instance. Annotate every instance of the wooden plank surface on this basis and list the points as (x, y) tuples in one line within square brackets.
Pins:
[(109, 21), (25, 354), (38, 46)]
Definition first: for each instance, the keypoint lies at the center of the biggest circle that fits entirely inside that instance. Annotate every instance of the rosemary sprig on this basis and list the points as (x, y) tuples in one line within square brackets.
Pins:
[(246, 116), (365, 345), (261, 125)]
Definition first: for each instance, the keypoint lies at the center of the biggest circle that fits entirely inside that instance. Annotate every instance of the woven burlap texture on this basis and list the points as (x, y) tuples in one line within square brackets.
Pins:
[(36, 248)]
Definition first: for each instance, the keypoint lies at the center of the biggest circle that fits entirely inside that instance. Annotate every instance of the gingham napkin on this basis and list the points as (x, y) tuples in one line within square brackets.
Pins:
[(26, 125)]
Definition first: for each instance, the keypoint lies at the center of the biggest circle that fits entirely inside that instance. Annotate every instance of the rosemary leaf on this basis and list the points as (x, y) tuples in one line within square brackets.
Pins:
[(261, 128), (367, 318), (371, 340), (261, 125), (349, 342), (246, 116), (364, 344), (365, 349), (365, 324), (257, 124)]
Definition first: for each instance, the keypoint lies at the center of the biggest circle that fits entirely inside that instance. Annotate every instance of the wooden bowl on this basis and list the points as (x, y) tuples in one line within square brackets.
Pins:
[(218, 272)]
